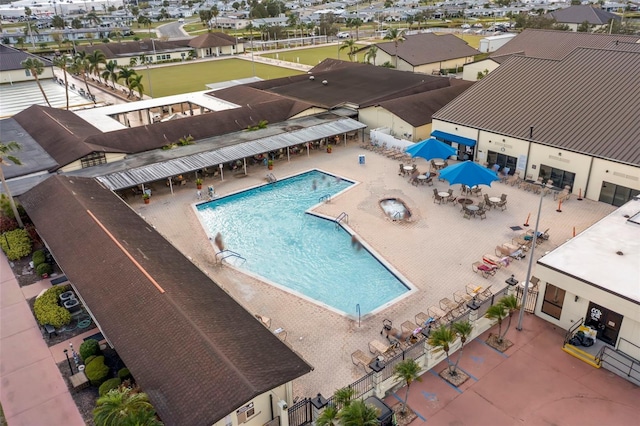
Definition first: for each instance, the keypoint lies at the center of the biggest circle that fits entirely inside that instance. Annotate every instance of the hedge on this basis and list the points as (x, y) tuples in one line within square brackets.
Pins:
[(89, 348), (38, 257), (47, 309), (43, 268), (97, 371), (109, 385), (16, 244), (89, 359), (124, 374)]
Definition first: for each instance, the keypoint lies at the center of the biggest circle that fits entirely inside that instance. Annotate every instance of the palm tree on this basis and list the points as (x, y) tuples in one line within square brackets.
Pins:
[(96, 58), (329, 416), (510, 304), (62, 62), (126, 74), (359, 414), (28, 13), (111, 73), (124, 406), (351, 45), (93, 18), (135, 82), (396, 36), (496, 312), (215, 12), (442, 338), (5, 158), (408, 371), (371, 54), (36, 67), (80, 65), (463, 329), (344, 396)]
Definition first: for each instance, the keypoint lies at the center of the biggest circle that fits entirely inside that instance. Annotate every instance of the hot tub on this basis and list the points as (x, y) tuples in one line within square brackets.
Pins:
[(395, 209)]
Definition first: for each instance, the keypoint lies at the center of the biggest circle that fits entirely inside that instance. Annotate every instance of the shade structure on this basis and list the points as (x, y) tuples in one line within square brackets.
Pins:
[(431, 148), (468, 173)]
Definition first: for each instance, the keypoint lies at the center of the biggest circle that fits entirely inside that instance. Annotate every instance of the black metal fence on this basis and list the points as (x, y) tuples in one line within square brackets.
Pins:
[(301, 413)]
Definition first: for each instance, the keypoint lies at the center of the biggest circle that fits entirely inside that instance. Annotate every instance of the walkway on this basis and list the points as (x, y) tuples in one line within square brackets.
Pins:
[(32, 391), (533, 383)]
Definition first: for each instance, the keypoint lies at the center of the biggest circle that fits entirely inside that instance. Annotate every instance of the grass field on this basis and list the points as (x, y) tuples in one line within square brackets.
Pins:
[(472, 40), (314, 55), (172, 80)]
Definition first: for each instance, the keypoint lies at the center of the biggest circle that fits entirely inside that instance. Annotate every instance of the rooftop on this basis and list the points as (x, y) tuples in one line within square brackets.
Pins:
[(427, 48), (607, 255)]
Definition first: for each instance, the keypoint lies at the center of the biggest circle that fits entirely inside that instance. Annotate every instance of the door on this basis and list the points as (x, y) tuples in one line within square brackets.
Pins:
[(605, 321)]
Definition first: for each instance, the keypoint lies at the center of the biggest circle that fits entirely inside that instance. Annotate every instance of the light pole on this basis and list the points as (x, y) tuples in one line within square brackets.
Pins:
[(66, 353), (528, 277)]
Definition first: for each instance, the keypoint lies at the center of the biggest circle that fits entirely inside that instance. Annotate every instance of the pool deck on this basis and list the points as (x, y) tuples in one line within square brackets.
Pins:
[(434, 250)]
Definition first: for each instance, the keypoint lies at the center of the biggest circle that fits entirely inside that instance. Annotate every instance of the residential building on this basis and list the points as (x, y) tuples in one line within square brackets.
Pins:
[(12, 70), (574, 16)]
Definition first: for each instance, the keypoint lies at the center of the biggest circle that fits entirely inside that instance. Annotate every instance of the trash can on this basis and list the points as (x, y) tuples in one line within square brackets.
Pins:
[(361, 159)]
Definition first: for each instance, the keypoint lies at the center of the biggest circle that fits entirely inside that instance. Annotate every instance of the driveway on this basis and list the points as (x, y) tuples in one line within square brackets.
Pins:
[(172, 30)]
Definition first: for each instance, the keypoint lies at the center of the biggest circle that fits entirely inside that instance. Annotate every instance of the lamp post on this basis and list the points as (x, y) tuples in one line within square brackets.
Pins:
[(528, 277), (66, 353)]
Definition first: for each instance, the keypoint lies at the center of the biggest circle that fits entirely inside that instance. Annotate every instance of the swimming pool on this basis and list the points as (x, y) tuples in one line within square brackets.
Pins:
[(304, 253)]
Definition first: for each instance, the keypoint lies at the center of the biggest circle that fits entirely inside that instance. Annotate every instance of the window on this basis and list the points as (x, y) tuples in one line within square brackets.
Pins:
[(616, 195), (553, 300), (559, 177), (93, 159), (502, 160)]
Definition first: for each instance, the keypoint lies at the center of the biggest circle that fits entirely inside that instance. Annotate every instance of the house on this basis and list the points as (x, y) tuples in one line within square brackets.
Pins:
[(12, 70), (592, 279), (198, 354), (145, 50), (426, 53), (216, 44), (546, 44), (557, 119), (574, 16)]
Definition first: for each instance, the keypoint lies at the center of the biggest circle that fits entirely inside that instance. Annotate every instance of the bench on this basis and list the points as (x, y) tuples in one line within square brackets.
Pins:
[(50, 330)]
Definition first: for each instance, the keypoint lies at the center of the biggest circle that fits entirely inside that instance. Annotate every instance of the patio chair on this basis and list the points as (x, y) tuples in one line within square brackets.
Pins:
[(461, 297), (360, 358), (501, 205), (425, 320), (436, 313), (485, 294), (476, 190), (514, 179), (436, 197), (401, 171), (534, 282), (481, 212), (483, 269)]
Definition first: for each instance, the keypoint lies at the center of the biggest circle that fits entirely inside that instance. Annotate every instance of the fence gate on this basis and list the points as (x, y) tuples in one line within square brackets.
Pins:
[(300, 413), (532, 298)]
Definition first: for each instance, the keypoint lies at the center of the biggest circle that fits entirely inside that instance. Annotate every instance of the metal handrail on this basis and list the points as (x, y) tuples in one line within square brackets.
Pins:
[(271, 178), (228, 253), (620, 357), (325, 197), (573, 328), (342, 216)]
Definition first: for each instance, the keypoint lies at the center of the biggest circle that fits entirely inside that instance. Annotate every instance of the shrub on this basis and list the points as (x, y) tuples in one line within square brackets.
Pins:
[(97, 371), (109, 385), (89, 348), (43, 268), (89, 359), (38, 257), (47, 309), (16, 244), (7, 224), (124, 374), (33, 234)]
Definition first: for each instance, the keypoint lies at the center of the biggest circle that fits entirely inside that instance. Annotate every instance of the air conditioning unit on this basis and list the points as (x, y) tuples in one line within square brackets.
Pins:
[(245, 413)]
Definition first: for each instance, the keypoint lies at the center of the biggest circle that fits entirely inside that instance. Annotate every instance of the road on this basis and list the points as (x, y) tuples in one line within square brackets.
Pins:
[(172, 30)]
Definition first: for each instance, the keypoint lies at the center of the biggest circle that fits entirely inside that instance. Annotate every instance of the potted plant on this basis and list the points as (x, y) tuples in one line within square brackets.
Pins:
[(146, 199), (329, 148), (270, 164), (199, 183)]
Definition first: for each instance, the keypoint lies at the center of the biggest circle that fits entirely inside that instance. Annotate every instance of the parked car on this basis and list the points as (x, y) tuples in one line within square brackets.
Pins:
[(344, 34), (477, 25), (465, 26)]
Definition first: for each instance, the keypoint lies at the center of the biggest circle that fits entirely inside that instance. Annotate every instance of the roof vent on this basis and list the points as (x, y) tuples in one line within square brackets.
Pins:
[(325, 82), (311, 78)]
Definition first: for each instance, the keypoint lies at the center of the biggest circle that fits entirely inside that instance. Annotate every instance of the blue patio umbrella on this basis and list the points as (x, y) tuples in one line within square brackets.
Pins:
[(431, 148), (468, 173)]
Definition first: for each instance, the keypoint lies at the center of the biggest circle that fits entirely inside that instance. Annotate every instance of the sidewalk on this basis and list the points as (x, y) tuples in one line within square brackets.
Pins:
[(534, 382), (32, 391)]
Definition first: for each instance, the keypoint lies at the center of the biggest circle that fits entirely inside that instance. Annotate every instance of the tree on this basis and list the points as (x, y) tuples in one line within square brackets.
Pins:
[(584, 27), (408, 371), (397, 37), (510, 305), (35, 68), (463, 329), (135, 82), (124, 406), (96, 58), (80, 65), (5, 158), (496, 312), (20, 41), (93, 18), (344, 396), (442, 338), (125, 74), (371, 54), (355, 23), (329, 417), (615, 26), (359, 414), (205, 17), (111, 72), (27, 14), (215, 12), (57, 22), (145, 22), (62, 62), (351, 45), (76, 23)]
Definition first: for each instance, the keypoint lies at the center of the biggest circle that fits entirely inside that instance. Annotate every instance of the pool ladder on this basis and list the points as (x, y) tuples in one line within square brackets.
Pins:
[(224, 254), (325, 197), (271, 178), (342, 217)]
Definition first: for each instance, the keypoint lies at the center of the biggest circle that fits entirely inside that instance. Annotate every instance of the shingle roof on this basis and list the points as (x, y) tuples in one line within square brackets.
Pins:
[(581, 13), (11, 59), (427, 48), (144, 46), (558, 44), (195, 351), (418, 109), (587, 103), (360, 84), (212, 40)]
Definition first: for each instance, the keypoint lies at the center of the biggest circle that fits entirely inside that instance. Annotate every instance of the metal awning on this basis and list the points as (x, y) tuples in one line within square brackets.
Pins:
[(155, 170), (450, 137)]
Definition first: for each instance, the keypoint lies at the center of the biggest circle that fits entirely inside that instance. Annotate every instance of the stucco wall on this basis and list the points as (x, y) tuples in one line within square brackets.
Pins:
[(77, 165), (560, 159), (15, 76), (470, 71), (262, 409), (609, 171), (375, 117)]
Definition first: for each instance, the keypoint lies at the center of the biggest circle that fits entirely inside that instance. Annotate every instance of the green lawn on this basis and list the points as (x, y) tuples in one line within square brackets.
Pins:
[(314, 55), (172, 80)]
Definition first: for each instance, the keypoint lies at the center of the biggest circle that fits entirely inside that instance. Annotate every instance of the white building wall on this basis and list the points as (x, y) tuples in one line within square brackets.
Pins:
[(262, 408), (609, 171), (560, 159), (375, 117), (513, 147), (470, 71)]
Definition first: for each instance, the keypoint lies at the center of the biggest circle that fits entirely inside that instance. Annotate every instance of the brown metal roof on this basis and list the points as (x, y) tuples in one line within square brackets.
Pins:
[(427, 48), (418, 109), (195, 351), (11, 59), (213, 40), (587, 103), (557, 44), (134, 48), (583, 13)]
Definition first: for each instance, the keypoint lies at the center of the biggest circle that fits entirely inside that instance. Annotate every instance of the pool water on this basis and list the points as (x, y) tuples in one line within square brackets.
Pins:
[(301, 252)]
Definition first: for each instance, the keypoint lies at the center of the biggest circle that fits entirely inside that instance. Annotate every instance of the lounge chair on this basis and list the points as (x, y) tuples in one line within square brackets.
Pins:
[(508, 250), (461, 297), (499, 262), (409, 326), (377, 347), (360, 358), (266, 321), (483, 269), (485, 294)]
